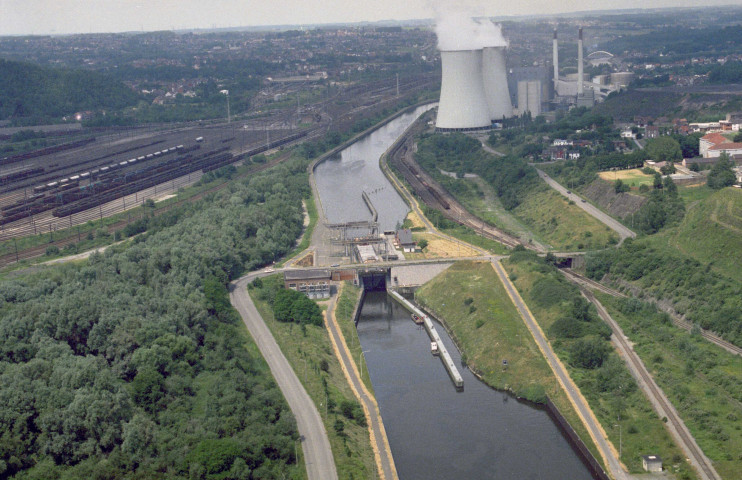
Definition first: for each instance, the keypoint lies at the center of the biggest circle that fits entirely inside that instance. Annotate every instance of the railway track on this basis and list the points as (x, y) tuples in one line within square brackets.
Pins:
[(663, 405), (436, 197), (95, 214), (676, 320)]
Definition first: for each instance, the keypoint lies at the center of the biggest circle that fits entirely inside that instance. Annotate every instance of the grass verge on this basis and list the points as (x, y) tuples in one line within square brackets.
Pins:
[(346, 304), (488, 329), (561, 224), (309, 351), (622, 409), (704, 382)]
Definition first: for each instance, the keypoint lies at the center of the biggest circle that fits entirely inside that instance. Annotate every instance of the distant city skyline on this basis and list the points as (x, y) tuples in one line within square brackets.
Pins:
[(43, 17)]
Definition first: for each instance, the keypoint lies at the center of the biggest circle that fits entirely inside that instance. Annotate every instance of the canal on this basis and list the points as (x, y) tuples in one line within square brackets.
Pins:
[(341, 179), (434, 431)]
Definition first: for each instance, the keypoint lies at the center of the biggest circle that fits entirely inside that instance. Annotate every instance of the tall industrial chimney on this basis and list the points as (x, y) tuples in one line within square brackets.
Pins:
[(463, 104), (556, 60), (580, 74), (496, 83)]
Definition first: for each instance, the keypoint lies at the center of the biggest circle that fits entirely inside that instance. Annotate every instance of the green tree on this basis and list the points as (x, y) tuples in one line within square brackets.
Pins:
[(422, 243), (620, 187), (146, 388), (664, 149), (657, 181), (667, 169), (217, 297), (721, 174), (589, 353)]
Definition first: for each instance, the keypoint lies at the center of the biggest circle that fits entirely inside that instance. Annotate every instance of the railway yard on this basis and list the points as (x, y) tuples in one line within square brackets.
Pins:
[(100, 173), (96, 177)]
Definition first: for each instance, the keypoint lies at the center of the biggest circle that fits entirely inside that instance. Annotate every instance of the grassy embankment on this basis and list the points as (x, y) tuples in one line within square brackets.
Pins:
[(488, 329), (544, 215), (609, 388), (711, 231), (309, 351), (442, 224), (562, 224), (94, 233), (704, 382), (482, 200), (346, 304)]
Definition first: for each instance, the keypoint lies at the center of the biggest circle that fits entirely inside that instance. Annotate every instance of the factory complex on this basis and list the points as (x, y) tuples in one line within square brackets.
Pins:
[(478, 91)]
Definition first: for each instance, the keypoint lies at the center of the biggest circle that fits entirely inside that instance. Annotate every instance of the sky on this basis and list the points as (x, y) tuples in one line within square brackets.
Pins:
[(22, 17)]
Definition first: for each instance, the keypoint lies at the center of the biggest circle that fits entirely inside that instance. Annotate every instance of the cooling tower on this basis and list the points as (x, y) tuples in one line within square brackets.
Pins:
[(496, 83), (463, 103)]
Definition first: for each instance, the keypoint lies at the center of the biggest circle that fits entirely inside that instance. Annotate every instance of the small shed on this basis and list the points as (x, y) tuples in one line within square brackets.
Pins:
[(652, 463), (403, 239)]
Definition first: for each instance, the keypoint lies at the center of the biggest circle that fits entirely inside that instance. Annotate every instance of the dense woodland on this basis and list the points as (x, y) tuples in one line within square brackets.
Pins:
[(134, 365), (679, 43), (43, 94)]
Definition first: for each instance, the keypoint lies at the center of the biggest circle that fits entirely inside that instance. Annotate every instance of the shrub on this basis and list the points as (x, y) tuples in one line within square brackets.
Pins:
[(566, 327), (589, 353)]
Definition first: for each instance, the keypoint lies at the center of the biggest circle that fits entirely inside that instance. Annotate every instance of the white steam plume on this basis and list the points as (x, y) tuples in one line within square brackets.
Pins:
[(456, 29), (490, 34)]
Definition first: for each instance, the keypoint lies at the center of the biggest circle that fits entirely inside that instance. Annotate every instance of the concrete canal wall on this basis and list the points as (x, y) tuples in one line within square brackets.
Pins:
[(456, 377)]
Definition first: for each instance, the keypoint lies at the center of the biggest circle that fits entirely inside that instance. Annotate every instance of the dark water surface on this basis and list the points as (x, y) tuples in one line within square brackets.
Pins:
[(342, 178), (436, 432)]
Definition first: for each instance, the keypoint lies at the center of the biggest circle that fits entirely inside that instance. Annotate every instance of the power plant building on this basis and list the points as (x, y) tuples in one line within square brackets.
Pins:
[(539, 74), (463, 104), (529, 97)]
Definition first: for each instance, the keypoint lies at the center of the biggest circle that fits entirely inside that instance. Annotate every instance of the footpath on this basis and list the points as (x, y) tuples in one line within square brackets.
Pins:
[(379, 441)]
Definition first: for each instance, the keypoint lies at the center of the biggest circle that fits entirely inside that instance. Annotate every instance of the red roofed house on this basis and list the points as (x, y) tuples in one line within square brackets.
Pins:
[(711, 146), (730, 148)]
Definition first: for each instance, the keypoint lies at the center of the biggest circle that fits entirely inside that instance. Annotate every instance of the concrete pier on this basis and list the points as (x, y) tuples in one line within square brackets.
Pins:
[(370, 206), (456, 377)]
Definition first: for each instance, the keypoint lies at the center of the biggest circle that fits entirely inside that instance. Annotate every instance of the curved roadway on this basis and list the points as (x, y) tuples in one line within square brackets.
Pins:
[(318, 457)]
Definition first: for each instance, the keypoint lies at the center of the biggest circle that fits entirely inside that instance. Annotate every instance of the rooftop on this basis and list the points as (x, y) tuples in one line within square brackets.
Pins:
[(405, 236), (727, 146), (313, 274), (715, 138)]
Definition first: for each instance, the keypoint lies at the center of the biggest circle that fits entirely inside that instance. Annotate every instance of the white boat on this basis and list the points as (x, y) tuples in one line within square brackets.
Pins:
[(434, 348)]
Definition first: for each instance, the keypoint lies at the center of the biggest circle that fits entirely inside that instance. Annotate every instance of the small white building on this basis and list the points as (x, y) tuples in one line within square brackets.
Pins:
[(652, 463)]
